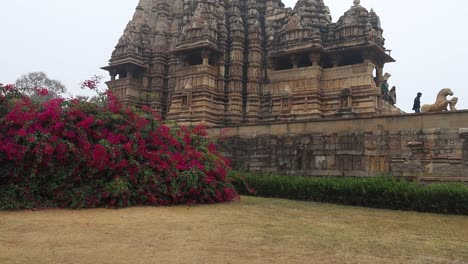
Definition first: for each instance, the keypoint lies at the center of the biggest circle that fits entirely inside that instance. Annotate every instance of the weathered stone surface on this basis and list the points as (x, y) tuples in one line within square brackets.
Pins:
[(418, 152), (222, 62)]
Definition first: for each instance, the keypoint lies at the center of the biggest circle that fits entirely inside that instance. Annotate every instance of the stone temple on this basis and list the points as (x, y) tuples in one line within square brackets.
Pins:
[(221, 62), (298, 93)]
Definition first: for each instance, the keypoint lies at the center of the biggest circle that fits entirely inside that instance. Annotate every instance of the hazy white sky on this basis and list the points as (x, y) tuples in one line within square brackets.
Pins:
[(71, 40)]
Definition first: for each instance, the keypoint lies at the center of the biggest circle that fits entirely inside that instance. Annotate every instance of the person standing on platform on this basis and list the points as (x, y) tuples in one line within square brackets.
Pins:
[(384, 86), (417, 103), (392, 96)]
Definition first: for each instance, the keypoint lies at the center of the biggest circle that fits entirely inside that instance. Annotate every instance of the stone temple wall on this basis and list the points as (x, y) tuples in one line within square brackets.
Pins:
[(425, 147)]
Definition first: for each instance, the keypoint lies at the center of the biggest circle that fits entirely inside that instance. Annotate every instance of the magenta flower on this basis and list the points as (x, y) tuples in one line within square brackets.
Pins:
[(42, 92)]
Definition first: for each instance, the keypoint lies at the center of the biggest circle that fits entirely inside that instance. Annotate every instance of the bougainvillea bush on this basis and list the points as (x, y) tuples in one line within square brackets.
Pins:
[(73, 153)]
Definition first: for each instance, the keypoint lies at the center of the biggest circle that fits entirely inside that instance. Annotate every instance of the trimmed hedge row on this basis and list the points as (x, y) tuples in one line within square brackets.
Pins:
[(377, 192)]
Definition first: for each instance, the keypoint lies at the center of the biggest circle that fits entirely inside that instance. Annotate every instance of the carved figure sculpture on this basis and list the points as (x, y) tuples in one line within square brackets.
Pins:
[(442, 102), (453, 103)]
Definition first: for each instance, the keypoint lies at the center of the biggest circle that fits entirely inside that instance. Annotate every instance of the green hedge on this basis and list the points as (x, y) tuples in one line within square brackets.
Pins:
[(377, 192)]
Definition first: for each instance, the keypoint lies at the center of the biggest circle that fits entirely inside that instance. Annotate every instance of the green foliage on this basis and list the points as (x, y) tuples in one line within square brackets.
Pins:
[(376, 192), (33, 82), (76, 153), (117, 187)]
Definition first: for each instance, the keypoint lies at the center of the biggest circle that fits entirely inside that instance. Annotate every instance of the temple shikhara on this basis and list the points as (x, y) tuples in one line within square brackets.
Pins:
[(300, 93), (221, 62)]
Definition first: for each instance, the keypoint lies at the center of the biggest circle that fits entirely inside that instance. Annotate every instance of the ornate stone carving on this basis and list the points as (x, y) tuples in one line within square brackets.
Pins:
[(442, 102), (453, 103), (237, 57), (294, 23)]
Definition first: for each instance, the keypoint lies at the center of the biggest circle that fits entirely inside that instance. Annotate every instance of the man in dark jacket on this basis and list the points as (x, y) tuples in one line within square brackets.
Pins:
[(417, 103)]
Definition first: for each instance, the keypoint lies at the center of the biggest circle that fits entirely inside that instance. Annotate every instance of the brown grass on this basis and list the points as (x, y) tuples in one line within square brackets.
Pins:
[(253, 230)]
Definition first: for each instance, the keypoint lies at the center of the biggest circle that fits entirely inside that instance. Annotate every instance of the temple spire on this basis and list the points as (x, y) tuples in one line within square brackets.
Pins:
[(220, 62)]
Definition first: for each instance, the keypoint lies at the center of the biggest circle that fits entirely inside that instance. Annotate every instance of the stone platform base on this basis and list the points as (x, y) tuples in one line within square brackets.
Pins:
[(425, 147)]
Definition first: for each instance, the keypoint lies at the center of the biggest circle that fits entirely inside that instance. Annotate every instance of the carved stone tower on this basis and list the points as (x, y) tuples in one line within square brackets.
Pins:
[(221, 62)]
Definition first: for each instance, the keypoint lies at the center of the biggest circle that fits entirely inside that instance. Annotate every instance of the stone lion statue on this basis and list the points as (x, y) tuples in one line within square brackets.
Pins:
[(442, 102)]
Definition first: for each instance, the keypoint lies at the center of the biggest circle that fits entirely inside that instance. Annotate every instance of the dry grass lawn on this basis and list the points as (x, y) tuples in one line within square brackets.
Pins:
[(253, 230)]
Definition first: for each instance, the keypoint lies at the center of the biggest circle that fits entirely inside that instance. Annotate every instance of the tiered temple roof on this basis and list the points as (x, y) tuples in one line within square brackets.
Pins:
[(224, 62)]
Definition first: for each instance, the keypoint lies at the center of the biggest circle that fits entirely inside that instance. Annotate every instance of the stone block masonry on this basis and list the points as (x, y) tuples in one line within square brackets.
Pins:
[(424, 147)]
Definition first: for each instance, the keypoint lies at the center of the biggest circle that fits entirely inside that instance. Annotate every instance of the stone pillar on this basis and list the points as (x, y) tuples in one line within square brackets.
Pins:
[(255, 57), (206, 56), (168, 93), (367, 58), (222, 64), (335, 60), (379, 74), (235, 85), (159, 86), (294, 61), (314, 58)]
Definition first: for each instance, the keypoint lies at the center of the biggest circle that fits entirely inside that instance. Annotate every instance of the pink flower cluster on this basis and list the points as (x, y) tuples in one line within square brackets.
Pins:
[(92, 84), (42, 91), (76, 154)]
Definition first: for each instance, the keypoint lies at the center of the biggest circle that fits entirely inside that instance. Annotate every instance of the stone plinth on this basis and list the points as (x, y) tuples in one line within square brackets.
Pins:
[(425, 147)]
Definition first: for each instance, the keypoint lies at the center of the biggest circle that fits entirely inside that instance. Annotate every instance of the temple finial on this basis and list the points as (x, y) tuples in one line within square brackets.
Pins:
[(357, 2)]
